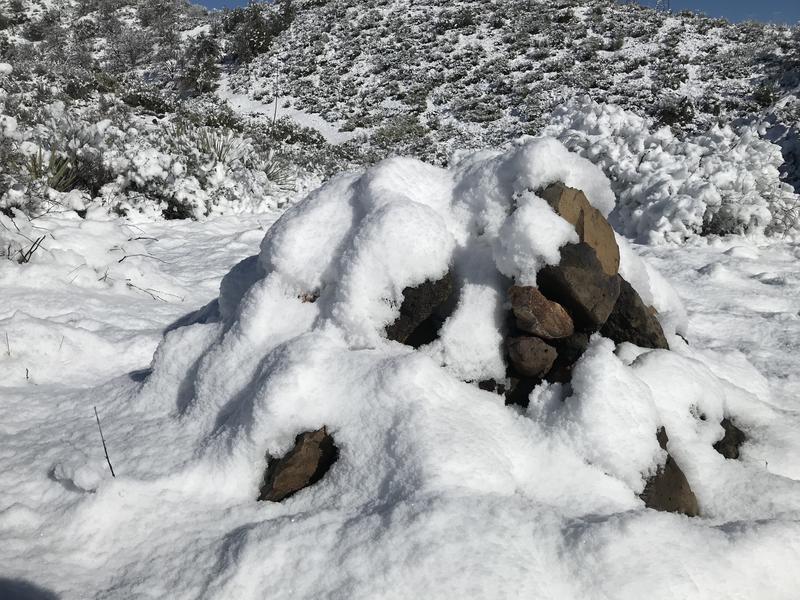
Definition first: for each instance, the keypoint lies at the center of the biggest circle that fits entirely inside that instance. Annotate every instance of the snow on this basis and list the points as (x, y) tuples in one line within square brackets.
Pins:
[(6, 69), (245, 104), (440, 489)]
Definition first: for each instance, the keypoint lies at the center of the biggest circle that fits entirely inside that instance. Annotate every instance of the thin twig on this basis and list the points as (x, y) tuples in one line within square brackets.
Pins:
[(143, 256), (96, 416)]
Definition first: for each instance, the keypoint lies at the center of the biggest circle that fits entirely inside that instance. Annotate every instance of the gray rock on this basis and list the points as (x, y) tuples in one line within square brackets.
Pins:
[(633, 321), (733, 439), (579, 284)]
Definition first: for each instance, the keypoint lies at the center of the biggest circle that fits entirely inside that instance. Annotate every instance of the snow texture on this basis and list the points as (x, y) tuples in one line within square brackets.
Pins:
[(723, 181)]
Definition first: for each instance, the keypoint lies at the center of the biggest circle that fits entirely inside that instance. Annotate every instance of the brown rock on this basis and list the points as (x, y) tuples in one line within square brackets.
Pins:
[(632, 321), (538, 315), (668, 490), (530, 356), (733, 439), (579, 284), (417, 310), (590, 224), (313, 454)]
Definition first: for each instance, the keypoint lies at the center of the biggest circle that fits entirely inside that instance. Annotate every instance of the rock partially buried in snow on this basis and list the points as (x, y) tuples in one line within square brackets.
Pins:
[(531, 356), (632, 321), (537, 315), (413, 325), (580, 284), (733, 439), (590, 224), (313, 454), (668, 490)]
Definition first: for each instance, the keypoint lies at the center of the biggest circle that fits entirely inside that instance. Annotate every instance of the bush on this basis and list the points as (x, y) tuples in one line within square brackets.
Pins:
[(721, 181)]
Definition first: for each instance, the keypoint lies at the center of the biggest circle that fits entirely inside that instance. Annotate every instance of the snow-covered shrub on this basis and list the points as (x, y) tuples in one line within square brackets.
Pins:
[(131, 165), (721, 181)]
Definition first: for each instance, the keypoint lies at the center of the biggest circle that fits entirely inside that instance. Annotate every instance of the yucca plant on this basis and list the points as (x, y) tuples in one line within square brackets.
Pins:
[(224, 147), (279, 172), (58, 172)]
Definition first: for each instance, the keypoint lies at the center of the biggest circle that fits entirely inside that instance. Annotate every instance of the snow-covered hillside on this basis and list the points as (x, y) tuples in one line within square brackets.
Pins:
[(149, 108)]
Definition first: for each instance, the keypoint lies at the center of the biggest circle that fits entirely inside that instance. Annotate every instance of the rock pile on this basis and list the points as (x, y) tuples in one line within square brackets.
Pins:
[(583, 294), (549, 327)]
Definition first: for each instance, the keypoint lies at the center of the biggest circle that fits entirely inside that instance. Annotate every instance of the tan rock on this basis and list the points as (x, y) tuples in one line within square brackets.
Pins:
[(590, 224), (538, 315)]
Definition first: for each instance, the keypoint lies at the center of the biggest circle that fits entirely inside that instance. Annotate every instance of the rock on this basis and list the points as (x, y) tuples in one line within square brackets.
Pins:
[(633, 321), (668, 490), (579, 284), (537, 315), (530, 356), (419, 304), (733, 439), (490, 385), (313, 454), (590, 224)]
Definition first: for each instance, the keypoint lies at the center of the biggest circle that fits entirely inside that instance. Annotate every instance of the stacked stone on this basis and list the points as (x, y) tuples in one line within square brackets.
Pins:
[(549, 329), (583, 294)]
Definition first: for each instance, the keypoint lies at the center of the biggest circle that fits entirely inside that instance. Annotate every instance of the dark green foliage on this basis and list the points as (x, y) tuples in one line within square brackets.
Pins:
[(201, 69)]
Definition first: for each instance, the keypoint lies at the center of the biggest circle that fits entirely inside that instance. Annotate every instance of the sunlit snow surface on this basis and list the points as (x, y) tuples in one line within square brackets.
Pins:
[(441, 491)]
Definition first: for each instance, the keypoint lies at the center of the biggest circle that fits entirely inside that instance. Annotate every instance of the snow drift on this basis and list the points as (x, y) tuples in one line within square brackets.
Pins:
[(440, 489)]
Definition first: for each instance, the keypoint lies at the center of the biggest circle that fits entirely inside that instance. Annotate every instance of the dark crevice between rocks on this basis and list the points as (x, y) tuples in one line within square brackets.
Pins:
[(304, 465), (733, 439), (668, 490)]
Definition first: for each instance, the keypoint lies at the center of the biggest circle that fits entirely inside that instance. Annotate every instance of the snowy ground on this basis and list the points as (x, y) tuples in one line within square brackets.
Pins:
[(67, 528)]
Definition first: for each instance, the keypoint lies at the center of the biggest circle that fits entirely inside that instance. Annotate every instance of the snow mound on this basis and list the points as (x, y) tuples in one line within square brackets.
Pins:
[(440, 489)]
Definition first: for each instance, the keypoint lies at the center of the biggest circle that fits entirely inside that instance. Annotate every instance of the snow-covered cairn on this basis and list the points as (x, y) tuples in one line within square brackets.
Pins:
[(364, 348)]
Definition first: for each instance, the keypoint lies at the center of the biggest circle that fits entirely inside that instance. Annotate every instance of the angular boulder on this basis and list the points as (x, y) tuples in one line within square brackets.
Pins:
[(590, 224), (668, 490), (633, 321), (313, 454), (530, 356), (537, 315), (418, 306), (733, 439), (580, 284)]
